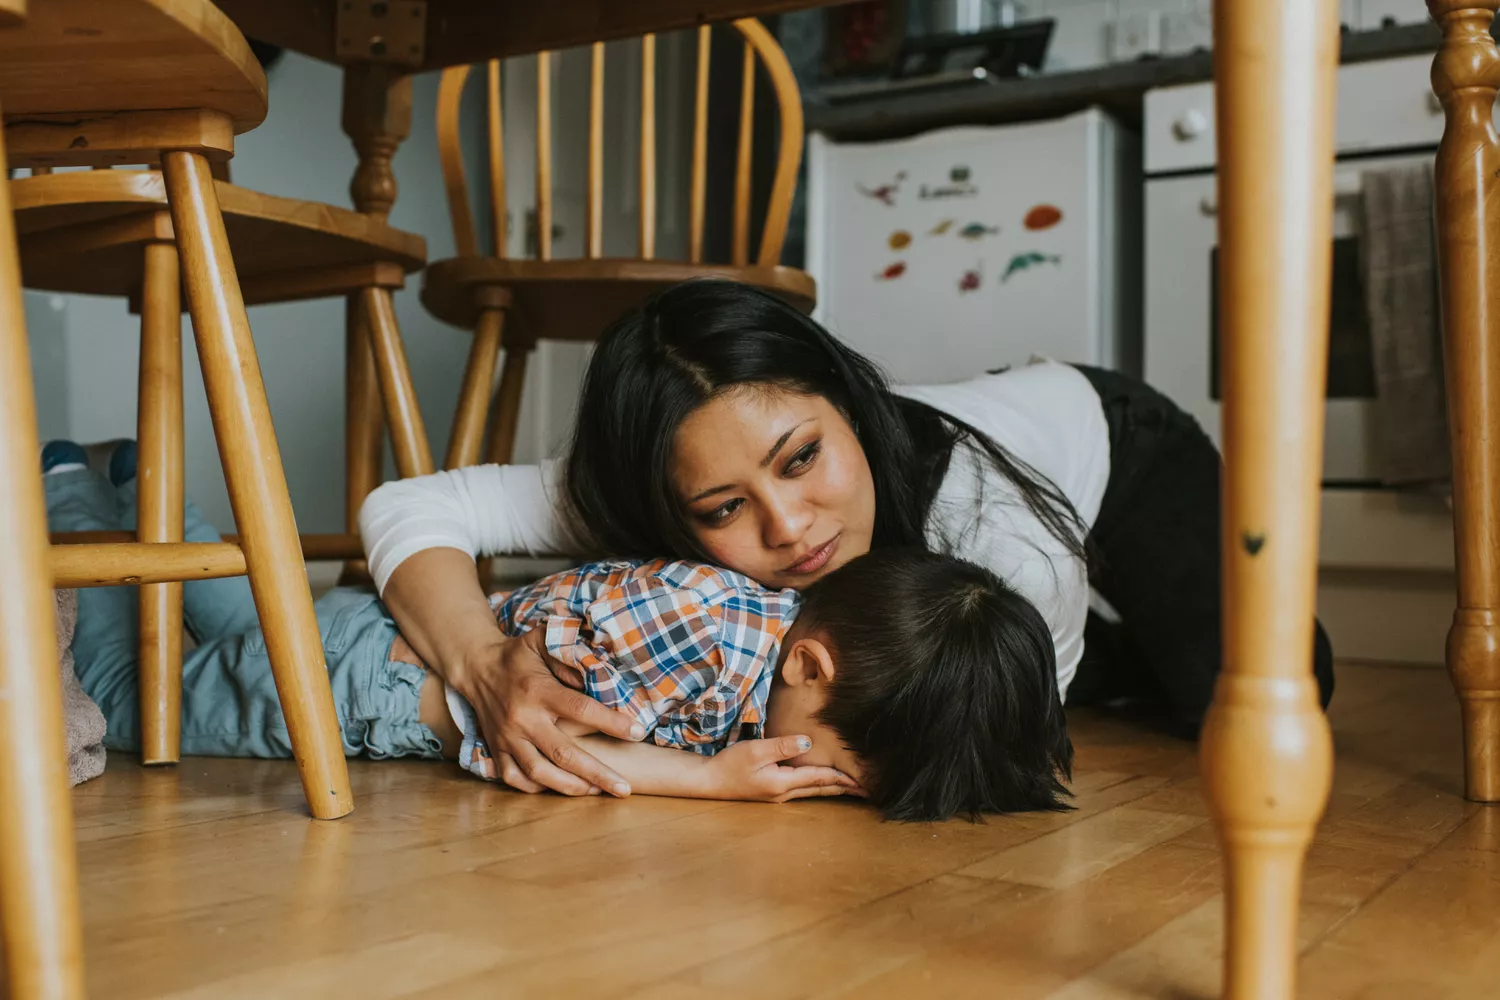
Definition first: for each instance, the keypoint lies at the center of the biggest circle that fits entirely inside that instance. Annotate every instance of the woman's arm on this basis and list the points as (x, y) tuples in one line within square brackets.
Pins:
[(421, 536), (751, 770), (480, 510)]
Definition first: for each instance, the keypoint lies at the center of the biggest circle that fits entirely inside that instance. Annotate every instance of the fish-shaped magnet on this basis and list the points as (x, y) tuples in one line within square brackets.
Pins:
[(941, 228), (1022, 261), (899, 240), (896, 270), (978, 231), (1043, 217)]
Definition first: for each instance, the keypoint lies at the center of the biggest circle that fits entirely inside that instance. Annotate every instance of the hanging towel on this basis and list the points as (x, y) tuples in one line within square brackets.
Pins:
[(83, 722), (1400, 265)]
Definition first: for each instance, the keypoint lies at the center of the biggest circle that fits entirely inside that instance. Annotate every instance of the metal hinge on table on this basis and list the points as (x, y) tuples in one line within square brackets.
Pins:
[(385, 31)]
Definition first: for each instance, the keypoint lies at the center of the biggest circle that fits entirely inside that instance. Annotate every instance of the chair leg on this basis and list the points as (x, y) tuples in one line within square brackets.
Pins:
[(364, 428), (506, 413), (467, 438), (160, 497), (39, 918), (1468, 215), (504, 418), (1267, 753), (408, 432), (257, 483)]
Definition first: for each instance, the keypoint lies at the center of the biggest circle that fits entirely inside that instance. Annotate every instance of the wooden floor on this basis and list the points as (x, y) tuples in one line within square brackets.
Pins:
[(206, 881)]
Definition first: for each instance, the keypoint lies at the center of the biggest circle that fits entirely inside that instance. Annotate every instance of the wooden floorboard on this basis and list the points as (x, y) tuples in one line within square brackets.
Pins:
[(206, 880)]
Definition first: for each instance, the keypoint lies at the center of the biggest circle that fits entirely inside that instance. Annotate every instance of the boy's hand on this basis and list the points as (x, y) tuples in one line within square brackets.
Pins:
[(752, 771)]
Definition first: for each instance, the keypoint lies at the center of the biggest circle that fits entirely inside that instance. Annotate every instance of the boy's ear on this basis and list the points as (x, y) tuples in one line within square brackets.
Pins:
[(808, 661)]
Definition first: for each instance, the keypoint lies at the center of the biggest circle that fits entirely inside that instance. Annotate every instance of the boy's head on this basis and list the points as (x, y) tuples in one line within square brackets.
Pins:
[(930, 681)]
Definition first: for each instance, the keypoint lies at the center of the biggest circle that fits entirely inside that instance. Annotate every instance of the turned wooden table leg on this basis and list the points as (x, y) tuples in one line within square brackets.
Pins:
[(364, 428), (1267, 755), (159, 486), (1465, 74), (257, 483), (466, 441), (38, 875), (377, 118), (403, 414)]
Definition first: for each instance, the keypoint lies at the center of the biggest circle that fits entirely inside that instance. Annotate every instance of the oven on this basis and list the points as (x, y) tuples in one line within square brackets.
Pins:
[(1387, 117), (1385, 590)]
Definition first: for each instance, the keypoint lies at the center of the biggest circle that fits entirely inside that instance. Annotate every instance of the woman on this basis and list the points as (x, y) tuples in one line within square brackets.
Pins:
[(720, 424)]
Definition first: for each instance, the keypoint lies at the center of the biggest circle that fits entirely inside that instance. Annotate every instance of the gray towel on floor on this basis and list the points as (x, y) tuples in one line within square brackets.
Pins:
[(1400, 263), (83, 722)]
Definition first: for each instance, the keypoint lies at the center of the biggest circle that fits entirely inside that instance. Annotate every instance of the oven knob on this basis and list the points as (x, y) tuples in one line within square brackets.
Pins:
[(1190, 125)]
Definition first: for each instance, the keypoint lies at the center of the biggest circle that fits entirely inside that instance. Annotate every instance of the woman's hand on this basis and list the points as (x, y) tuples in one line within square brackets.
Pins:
[(752, 771), (520, 706), (437, 602)]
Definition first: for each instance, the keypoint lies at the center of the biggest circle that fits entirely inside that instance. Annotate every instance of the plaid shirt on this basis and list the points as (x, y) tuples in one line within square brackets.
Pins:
[(688, 650)]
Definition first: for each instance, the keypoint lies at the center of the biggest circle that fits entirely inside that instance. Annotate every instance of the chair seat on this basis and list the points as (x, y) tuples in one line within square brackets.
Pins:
[(82, 232), (577, 299), (72, 56)]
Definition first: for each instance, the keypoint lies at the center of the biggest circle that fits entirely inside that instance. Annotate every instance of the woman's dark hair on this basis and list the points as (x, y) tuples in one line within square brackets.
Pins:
[(690, 342), (945, 686)]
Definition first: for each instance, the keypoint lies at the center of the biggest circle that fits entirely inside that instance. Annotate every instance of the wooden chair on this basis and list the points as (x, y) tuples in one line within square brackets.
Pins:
[(39, 917), (527, 300), (173, 81)]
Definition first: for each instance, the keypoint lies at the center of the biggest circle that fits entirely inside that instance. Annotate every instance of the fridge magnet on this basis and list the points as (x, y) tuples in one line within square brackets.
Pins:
[(885, 193), (971, 279), (892, 272), (958, 186), (941, 227), (1043, 217), (978, 231), (899, 240), (1025, 261)]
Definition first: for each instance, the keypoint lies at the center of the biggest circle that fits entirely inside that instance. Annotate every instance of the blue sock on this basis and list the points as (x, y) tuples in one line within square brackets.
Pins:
[(60, 455), (122, 462)]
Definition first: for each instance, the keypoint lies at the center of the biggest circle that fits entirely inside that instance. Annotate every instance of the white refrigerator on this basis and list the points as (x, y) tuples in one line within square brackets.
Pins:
[(967, 249)]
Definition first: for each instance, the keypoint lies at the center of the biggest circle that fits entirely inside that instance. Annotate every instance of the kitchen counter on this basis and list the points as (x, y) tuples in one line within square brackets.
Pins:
[(1117, 87)]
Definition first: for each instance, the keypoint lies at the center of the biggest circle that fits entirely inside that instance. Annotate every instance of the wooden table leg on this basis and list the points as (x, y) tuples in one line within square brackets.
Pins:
[(403, 414), (1464, 75), (257, 483), (364, 427), (1267, 751), (159, 485), (377, 118), (38, 870), (467, 438)]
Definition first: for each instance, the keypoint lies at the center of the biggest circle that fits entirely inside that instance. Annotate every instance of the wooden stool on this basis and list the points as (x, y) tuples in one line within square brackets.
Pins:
[(173, 81), (39, 917), (109, 232), (575, 299)]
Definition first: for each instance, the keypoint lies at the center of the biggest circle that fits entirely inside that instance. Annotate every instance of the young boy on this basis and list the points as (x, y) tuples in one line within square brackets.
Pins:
[(906, 670), (909, 676)]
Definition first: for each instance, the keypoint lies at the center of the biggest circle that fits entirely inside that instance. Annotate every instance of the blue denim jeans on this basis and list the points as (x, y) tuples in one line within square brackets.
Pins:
[(229, 703)]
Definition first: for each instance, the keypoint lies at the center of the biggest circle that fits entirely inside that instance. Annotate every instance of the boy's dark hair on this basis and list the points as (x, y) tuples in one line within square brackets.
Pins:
[(946, 686)]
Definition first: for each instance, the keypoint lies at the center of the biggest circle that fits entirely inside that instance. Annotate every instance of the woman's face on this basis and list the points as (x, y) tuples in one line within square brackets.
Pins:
[(774, 484)]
